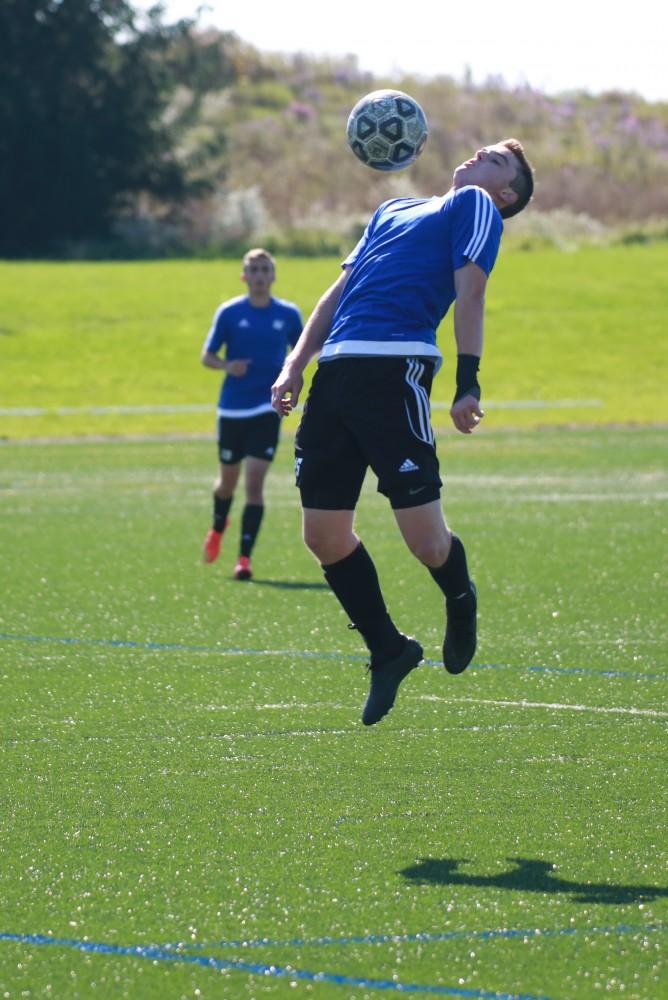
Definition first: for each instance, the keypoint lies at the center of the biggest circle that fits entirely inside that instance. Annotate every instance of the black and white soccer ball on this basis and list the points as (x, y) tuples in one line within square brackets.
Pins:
[(387, 130)]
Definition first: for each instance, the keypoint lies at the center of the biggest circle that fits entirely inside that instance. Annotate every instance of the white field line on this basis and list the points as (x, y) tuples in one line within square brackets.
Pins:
[(583, 497), (63, 411), (625, 476), (622, 488), (530, 404), (558, 706)]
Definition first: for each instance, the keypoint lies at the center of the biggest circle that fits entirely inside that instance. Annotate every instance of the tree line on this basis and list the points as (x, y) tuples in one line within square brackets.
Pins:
[(83, 87), (122, 134)]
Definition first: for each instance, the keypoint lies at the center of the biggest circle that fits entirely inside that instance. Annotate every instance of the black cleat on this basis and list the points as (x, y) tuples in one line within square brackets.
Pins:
[(460, 631), (385, 680)]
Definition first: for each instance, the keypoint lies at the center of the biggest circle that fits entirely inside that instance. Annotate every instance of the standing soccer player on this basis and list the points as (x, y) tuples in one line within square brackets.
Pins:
[(375, 331), (256, 330)]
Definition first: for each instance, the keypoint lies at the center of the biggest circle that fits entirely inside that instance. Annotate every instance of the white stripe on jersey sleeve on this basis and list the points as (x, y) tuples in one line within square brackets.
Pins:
[(476, 219), (482, 223)]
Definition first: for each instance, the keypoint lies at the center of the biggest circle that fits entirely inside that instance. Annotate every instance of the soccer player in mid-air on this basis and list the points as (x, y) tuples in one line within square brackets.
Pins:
[(256, 331), (375, 331)]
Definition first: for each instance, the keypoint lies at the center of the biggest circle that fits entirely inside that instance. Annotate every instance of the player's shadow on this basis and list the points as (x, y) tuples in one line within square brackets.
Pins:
[(528, 876), (290, 584)]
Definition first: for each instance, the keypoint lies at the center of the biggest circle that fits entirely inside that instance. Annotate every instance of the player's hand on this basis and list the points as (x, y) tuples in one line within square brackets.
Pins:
[(285, 392), (466, 414), (237, 367)]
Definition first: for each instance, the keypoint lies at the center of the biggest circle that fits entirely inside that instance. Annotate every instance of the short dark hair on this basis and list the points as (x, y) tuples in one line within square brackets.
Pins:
[(522, 183)]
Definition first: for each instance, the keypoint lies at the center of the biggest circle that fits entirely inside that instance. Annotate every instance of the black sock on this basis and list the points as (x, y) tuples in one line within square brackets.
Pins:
[(453, 576), (251, 520), (221, 509), (355, 583)]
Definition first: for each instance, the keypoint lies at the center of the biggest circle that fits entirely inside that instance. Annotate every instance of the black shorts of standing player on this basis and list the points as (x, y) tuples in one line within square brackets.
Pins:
[(363, 412), (240, 437)]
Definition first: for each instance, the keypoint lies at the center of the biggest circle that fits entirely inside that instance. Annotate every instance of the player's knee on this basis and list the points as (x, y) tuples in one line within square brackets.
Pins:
[(327, 546), (255, 496), (320, 545), (430, 551)]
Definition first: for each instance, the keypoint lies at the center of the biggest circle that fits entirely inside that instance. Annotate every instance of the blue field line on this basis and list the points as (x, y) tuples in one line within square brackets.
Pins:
[(587, 671), (156, 954), (179, 646), (605, 672), (304, 654), (422, 937)]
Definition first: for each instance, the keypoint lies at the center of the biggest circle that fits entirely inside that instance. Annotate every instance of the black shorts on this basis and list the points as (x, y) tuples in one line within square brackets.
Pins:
[(240, 437), (365, 412)]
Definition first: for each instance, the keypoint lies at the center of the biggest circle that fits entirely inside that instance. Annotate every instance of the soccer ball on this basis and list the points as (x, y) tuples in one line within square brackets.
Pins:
[(387, 130)]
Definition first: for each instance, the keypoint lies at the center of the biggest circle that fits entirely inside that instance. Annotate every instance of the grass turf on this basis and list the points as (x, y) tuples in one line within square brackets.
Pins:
[(580, 334), (191, 807)]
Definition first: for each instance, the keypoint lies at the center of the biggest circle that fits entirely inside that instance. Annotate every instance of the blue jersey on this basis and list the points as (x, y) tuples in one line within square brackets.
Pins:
[(402, 273), (261, 333)]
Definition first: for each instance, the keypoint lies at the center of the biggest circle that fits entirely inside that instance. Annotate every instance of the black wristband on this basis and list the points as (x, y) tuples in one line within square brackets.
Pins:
[(467, 376)]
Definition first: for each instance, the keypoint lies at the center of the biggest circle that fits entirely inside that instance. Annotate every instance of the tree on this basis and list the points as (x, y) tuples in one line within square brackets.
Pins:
[(82, 90)]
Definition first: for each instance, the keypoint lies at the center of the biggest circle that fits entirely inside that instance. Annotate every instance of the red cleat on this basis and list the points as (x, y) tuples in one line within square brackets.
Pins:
[(242, 570), (212, 545)]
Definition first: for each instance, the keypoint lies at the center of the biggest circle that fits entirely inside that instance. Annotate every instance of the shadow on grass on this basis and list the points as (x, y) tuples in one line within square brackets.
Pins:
[(289, 584), (528, 876)]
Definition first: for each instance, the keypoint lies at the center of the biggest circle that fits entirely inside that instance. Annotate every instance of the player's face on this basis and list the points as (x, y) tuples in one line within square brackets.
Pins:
[(492, 168), (259, 275)]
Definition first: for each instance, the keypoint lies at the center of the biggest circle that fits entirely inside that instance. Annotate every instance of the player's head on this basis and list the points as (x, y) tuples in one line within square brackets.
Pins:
[(259, 269), (503, 171)]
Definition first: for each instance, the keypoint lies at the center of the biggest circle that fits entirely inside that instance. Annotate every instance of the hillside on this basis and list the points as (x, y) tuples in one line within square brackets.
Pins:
[(262, 139)]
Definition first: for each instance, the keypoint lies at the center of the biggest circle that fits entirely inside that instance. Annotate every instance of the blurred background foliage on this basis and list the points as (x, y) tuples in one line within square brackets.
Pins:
[(124, 136)]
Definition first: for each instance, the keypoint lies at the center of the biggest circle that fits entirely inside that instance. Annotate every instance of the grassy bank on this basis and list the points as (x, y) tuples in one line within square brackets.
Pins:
[(571, 337)]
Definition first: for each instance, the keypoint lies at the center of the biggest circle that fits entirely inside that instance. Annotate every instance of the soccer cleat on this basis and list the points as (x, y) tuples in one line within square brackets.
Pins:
[(212, 545), (385, 680), (242, 570), (460, 631)]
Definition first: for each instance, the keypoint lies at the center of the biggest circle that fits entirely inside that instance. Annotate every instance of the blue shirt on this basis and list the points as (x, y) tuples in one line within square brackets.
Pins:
[(402, 273), (261, 333)]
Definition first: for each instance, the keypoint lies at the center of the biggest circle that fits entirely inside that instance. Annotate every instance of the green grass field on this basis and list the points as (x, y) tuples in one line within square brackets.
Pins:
[(570, 338), (189, 804)]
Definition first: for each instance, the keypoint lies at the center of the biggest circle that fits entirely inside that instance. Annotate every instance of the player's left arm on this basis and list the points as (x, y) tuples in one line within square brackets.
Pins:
[(470, 285), (286, 389)]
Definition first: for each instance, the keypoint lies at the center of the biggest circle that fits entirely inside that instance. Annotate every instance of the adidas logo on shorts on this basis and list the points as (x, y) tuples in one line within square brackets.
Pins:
[(408, 466)]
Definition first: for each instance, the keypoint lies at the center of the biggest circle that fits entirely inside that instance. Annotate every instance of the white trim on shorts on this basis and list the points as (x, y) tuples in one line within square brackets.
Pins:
[(424, 431)]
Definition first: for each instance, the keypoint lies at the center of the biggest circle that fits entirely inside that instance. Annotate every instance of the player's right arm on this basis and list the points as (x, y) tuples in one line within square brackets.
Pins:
[(216, 338), (286, 389), (239, 366)]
